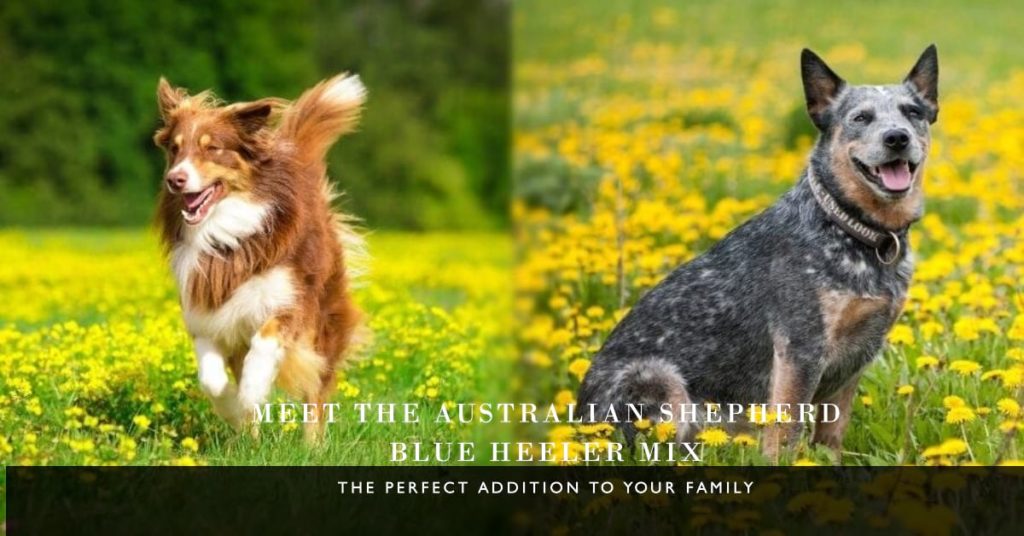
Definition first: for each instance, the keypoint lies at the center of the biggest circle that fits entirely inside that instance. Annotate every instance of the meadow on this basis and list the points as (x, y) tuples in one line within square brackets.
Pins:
[(645, 131), (96, 367)]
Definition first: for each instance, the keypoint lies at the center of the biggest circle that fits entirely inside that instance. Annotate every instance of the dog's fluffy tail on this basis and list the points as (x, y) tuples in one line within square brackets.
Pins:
[(323, 113), (646, 383)]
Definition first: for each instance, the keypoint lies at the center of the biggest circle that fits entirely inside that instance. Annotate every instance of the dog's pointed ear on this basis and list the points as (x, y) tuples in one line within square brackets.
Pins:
[(924, 79), (821, 85), (250, 117), (168, 97)]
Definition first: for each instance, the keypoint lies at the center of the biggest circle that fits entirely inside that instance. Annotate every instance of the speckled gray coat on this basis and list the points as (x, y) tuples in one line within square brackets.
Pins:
[(789, 307)]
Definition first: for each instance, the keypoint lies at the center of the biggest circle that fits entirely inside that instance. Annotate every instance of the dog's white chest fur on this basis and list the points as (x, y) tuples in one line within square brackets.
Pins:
[(232, 325), (254, 302)]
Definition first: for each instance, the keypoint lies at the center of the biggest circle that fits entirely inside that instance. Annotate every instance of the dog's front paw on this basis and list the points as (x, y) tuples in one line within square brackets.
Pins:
[(213, 381)]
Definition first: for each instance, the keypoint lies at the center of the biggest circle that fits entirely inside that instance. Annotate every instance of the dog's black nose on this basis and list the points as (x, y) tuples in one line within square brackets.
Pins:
[(176, 180), (896, 138)]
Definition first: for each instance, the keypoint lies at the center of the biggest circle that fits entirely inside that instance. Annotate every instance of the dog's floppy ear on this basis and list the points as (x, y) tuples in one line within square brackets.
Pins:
[(168, 98), (250, 117), (924, 79), (821, 85)]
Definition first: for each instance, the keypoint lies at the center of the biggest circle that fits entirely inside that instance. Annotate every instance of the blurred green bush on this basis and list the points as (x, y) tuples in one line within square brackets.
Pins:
[(77, 105)]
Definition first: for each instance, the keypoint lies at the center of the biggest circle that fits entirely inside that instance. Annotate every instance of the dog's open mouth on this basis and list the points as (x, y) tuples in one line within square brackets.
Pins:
[(198, 204), (894, 177)]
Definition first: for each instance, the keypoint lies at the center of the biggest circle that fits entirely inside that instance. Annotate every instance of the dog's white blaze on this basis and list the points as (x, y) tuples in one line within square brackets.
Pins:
[(194, 181), (252, 304), (230, 221), (259, 370), (347, 91)]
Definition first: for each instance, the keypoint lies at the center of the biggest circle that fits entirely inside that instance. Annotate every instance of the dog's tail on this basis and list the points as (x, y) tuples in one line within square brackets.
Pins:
[(323, 113), (646, 384)]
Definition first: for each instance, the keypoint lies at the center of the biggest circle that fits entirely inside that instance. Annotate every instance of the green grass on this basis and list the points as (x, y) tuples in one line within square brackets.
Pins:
[(99, 306), (891, 31)]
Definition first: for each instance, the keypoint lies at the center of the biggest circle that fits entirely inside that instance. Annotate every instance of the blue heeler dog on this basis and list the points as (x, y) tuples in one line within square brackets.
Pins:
[(791, 306)]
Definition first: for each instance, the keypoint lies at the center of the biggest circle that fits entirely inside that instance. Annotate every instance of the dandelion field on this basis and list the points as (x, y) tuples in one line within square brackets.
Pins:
[(645, 131), (96, 367)]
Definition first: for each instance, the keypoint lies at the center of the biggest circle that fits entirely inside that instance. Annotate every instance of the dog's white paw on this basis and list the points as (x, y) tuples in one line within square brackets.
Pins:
[(213, 380)]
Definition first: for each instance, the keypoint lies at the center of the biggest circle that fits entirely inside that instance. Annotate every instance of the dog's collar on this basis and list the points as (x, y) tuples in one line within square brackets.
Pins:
[(886, 243)]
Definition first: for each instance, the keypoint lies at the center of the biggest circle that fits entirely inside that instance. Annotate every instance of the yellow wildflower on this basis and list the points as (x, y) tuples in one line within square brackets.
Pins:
[(960, 415), (713, 437), (901, 334), (964, 367)]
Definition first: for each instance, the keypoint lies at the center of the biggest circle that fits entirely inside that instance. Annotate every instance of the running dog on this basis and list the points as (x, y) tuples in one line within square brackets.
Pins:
[(791, 306), (262, 261)]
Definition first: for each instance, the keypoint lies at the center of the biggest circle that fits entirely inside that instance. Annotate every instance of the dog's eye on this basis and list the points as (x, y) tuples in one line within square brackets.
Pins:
[(862, 117), (914, 113)]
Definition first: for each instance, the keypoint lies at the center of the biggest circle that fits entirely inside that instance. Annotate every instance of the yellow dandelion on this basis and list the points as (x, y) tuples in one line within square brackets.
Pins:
[(596, 428), (1008, 407), (930, 329), (664, 430), (949, 447), (1016, 331), (992, 374), (953, 401), (1013, 377), (141, 422), (968, 328), (745, 440), (905, 390), (562, 433), (964, 367), (713, 437), (901, 334), (564, 398), (926, 361), (867, 401), (579, 368), (595, 311), (1010, 426), (960, 415)]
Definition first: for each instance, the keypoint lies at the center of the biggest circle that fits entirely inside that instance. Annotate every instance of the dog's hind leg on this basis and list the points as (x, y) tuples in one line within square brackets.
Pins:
[(214, 381), (648, 383), (304, 374)]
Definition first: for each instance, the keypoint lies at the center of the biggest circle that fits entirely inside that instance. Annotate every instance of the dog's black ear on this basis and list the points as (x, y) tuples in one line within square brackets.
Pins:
[(252, 116), (821, 85), (168, 97), (924, 78)]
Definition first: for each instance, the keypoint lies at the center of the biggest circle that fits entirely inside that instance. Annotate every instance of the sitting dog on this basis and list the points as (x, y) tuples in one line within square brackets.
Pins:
[(791, 306), (262, 262)]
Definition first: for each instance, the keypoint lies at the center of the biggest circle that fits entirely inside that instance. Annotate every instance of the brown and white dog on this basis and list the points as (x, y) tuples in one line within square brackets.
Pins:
[(262, 261)]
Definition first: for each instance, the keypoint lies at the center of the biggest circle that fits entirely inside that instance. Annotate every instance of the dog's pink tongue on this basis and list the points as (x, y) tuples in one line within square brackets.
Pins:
[(192, 200), (895, 176)]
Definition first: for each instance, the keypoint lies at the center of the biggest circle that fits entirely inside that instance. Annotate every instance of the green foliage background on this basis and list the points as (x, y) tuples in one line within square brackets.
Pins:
[(77, 105)]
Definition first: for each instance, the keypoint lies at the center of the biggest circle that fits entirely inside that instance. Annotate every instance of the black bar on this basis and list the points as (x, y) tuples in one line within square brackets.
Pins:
[(795, 500)]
